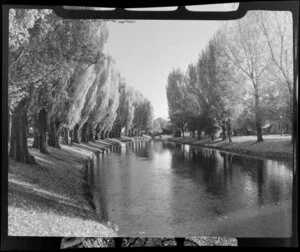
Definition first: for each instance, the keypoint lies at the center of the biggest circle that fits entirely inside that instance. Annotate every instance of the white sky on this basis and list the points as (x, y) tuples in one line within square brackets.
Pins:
[(147, 50)]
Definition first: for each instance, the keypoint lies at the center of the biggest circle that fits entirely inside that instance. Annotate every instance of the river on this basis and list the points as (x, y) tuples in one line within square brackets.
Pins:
[(165, 189)]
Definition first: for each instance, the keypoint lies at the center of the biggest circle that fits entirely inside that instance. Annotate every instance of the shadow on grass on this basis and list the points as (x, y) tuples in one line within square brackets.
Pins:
[(98, 146), (55, 184), (112, 141), (88, 148), (61, 154), (40, 201), (104, 143)]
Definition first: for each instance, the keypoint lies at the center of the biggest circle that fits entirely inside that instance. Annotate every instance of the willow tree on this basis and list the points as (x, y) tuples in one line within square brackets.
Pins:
[(38, 115), (147, 118), (28, 68), (110, 109), (130, 107), (121, 112), (89, 103), (98, 112), (43, 50), (80, 42), (143, 116)]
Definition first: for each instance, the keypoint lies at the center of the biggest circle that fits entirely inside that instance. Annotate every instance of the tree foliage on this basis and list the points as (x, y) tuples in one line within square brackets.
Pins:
[(61, 77), (241, 81)]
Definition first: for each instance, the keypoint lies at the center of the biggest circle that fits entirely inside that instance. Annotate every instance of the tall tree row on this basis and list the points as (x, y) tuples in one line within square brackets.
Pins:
[(241, 81), (62, 83)]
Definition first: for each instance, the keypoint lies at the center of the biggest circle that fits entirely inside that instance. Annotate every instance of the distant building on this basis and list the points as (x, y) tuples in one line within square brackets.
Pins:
[(277, 128)]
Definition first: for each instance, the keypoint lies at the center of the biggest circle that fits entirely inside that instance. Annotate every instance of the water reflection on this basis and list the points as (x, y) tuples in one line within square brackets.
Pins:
[(98, 193), (160, 188)]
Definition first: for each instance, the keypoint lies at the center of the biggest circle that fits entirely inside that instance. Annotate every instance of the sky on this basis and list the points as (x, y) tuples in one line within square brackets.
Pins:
[(146, 51)]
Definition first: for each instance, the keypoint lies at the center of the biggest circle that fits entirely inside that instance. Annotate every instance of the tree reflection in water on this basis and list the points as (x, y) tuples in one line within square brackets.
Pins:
[(158, 187)]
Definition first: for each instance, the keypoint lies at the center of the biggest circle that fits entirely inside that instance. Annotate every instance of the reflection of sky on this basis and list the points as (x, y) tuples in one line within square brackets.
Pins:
[(278, 171), (161, 162), (186, 147), (249, 191), (219, 163)]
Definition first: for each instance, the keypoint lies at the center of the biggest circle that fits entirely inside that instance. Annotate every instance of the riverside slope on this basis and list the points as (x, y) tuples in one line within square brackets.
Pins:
[(275, 147), (50, 198)]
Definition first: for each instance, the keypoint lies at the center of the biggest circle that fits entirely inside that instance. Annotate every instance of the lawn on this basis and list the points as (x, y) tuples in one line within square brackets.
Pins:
[(273, 146)]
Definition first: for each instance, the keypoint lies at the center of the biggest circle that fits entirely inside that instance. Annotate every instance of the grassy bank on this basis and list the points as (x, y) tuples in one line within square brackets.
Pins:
[(275, 147), (125, 139), (51, 198)]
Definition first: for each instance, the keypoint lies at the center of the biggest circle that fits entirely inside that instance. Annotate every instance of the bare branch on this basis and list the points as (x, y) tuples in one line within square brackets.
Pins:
[(279, 65), (250, 67), (237, 62)]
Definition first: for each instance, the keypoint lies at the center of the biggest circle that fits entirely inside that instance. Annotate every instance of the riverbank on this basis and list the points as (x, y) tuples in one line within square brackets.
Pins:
[(274, 147), (52, 198), (125, 139)]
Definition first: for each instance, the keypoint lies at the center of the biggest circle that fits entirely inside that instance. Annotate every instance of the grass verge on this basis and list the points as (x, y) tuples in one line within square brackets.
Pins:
[(51, 198), (274, 147)]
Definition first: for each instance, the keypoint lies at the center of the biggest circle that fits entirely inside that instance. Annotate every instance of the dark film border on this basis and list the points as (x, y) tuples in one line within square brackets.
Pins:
[(181, 13)]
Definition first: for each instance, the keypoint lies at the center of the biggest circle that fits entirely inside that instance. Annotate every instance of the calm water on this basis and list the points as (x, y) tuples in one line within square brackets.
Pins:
[(164, 189)]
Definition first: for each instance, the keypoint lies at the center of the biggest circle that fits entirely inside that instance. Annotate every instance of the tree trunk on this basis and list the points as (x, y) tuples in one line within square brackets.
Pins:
[(229, 130), (118, 132), (182, 129), (76, 134), (19, 125), (224, 130), (36, 139), (106, 134), (257, 117), (97, 132), (9, 131), (291, 122), (40, 132), (85, 133), (71, 134), (54, 134), (102, 134), (97, 135), (199, 134), (67, 139), (42, 128), (259, 132), (91, 133)]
